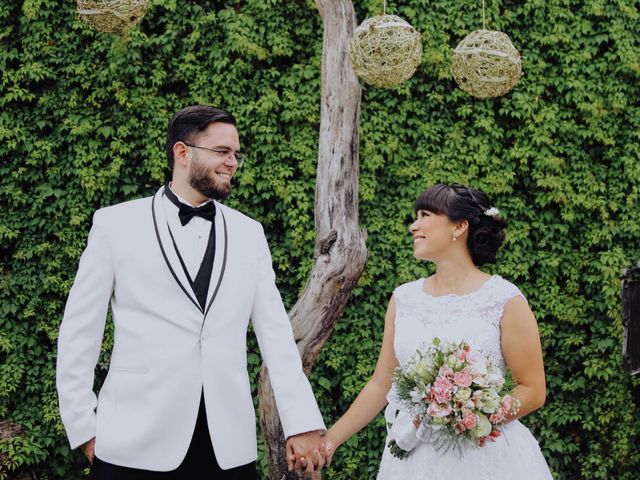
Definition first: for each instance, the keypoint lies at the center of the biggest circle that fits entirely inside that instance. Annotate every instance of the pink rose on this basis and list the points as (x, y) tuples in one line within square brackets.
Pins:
[(445, 371), (441, 390), (469, 420), (496, 418), (437, 410), (462, 378)]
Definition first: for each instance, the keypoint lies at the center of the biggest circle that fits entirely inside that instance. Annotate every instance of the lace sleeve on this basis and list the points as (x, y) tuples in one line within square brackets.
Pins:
[(405, 296), (400, 295), (504, 292)]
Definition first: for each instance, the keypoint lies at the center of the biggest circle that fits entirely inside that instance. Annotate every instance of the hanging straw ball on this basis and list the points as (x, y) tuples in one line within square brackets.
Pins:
[(486, 64), (385, 50), (112, 16)]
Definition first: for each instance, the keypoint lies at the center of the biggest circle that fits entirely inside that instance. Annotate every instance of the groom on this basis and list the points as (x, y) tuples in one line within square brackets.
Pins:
[(183, 275)]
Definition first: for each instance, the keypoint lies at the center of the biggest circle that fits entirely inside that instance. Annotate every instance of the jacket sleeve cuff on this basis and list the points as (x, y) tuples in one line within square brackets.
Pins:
[(79, 435)]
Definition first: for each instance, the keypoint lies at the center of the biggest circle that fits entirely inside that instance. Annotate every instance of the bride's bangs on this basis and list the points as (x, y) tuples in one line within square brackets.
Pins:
[(435, 199)]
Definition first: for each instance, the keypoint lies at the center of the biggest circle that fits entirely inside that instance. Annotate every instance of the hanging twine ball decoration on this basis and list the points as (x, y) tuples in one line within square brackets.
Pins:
[(486, 64), (385, 50), (112, 16)]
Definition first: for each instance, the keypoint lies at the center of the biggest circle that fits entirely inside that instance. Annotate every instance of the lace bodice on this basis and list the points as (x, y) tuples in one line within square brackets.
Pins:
[(474, 317)]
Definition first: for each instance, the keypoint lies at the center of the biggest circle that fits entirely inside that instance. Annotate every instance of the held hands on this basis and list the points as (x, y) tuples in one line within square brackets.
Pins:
[(328, 445), (88, 448), (306, 451)]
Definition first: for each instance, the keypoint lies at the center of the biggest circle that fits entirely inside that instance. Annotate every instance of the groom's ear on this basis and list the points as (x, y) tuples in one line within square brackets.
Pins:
[(180, 155)]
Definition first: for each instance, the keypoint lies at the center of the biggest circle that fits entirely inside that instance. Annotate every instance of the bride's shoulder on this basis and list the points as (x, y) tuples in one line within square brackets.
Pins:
[(408, 289), (502, 290)]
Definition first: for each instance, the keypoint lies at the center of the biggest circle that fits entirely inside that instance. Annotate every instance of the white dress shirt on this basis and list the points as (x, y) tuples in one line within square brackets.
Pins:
[(191, 238)]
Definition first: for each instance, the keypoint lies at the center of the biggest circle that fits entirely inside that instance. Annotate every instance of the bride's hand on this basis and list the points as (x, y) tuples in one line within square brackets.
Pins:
[(330, 446), (417, 421)]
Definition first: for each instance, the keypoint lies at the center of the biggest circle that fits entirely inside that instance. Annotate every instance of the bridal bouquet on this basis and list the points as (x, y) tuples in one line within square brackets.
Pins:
[(456, 397)]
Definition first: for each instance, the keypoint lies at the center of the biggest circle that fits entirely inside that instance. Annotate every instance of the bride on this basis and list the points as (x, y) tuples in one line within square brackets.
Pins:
[(458, 229)]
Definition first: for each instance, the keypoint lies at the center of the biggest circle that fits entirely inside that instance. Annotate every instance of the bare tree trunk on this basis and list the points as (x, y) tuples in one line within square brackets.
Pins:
[(8, 431), (340, 250)]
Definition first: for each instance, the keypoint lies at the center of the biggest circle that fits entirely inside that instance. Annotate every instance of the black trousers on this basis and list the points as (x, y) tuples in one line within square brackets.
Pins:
[(199, 464)]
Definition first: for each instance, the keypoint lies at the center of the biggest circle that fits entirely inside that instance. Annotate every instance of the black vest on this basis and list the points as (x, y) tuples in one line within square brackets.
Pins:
[(200, 285)]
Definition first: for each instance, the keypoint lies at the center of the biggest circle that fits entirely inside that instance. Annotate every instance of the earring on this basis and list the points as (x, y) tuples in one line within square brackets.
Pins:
[(454, 236)]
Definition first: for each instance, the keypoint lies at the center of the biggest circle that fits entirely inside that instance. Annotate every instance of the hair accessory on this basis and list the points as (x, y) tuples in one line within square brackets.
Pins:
[(492, 212)]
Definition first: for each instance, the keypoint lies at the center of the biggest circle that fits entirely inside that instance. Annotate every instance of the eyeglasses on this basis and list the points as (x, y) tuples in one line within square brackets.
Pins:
[(222, 152)]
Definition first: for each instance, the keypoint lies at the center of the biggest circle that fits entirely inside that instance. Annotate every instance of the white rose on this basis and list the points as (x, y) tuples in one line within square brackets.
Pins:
[(494, 377), (483, 427), (418, 393), (478, 372), (463, 394), (490, 401)]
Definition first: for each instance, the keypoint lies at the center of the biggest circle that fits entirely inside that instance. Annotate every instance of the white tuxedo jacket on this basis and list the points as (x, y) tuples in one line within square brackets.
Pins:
[(167, 350)]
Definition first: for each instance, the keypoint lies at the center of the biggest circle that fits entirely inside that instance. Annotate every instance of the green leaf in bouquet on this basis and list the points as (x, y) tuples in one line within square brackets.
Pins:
[(396, 451)]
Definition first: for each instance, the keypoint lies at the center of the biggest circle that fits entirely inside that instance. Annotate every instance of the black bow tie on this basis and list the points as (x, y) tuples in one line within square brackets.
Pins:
[(187, 212)]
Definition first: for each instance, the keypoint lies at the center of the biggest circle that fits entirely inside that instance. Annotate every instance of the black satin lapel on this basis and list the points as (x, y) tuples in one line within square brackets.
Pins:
[(224, 264), (164, 254)]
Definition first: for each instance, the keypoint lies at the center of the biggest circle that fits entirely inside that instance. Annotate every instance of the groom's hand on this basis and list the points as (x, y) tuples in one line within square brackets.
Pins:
[(88, 448), (305, 451)]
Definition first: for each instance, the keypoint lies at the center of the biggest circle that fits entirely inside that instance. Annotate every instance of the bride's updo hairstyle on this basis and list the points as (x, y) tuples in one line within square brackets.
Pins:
[(457, 202)]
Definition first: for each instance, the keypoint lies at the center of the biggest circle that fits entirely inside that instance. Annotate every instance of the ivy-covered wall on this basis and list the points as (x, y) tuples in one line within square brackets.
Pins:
[(82, 123)]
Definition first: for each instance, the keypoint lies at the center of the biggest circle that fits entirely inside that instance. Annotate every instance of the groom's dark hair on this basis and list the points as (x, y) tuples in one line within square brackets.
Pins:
[(188, 122)]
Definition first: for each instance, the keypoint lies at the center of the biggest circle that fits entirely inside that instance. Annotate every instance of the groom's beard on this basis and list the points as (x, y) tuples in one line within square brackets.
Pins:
[(202, 182)]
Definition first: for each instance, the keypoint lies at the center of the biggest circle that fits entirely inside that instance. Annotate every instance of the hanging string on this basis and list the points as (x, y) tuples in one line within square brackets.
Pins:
[(484, 23)]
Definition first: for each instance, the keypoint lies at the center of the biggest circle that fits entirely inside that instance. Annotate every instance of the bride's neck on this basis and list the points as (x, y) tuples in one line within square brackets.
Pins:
[(453, 277)]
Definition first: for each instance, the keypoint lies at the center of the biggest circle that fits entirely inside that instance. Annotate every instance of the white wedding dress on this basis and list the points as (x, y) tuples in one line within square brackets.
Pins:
[(474, 318)]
